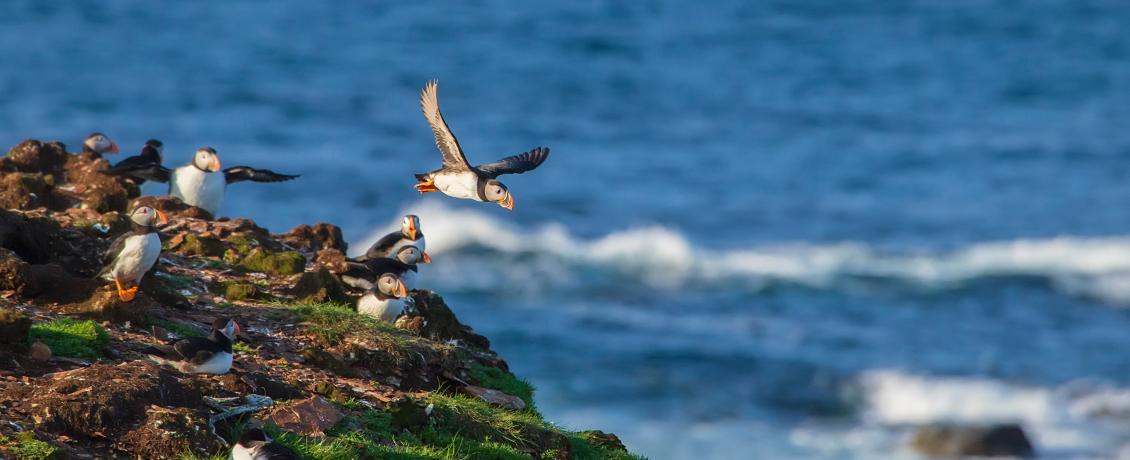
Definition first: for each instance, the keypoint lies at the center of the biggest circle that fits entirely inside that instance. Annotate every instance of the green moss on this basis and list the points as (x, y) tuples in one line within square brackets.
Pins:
[(242, 243), (28, 448), (180, 330), (240, 347), (234, 290), (71, 337), (277, 263), (494, 378), (582, 449), (196, 245), (331, 322)]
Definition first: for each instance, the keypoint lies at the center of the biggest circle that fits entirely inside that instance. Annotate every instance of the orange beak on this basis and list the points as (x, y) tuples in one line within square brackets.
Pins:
[(411, 230), (236, 328), (426, 258), (215, 164), (113, 147), (400, 290), (507, 202), (162, 219)]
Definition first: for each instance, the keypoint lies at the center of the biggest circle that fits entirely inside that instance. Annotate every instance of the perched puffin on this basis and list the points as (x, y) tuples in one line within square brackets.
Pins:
[(409, 235), (457, 178), (133, 253), (383, 280), (200, 355), (254, 444), (97, 144), (197, 183), (151, 154)]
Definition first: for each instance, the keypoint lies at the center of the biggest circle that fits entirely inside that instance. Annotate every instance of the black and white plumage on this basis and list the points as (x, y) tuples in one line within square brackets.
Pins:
[(254, 444), (151, 154), (135, 252), (198, 182), (384, 281), (200, 355), (457, 178), (409, 235), (97, 144)]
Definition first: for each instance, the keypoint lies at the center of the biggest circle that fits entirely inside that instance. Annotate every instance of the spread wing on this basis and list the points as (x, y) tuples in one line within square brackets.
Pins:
[(241, 173), (453, 157), (140, 170), (516, 164), (382, 246)]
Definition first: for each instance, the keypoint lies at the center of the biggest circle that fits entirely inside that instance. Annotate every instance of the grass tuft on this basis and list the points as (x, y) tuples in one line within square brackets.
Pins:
[(26, 447), (497, 379), (71, 337)]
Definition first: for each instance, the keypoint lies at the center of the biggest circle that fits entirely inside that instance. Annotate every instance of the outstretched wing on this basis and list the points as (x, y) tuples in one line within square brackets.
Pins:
[(516, 164), (141, 170), (241, 173), (448, 146)]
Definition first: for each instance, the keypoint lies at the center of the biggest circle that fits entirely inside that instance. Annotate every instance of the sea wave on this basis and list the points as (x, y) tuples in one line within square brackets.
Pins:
[(1097, 267)]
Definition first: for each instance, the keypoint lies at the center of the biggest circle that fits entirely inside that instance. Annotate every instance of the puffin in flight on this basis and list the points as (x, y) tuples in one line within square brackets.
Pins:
[(197, 183), (384, 281), (457, 178), (97, 144), (200, 355), (390, 244), (151, 154), (254, 444), (133, 253)]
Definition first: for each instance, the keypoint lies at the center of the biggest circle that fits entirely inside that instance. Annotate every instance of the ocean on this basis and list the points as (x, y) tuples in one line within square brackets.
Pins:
[(767, 229)]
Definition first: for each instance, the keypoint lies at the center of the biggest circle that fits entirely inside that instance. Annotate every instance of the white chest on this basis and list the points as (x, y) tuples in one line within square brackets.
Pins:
[(198, 188), (384, 310), (459, 185), (219, 364), (138, 255)]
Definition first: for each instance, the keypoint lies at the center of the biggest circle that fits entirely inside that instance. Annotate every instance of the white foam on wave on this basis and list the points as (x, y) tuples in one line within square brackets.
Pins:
[(1096, 267)]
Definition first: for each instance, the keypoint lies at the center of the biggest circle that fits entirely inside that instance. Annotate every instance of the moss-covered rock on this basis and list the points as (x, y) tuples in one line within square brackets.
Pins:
[(196, 245), (274, 263), (234, 290), (71, 337), (320, 286)]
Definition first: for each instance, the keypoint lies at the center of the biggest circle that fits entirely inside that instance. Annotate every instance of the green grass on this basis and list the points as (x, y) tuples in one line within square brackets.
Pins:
[(71, 337), (332, 322), (180, 330), (28, 448), (497, 379)]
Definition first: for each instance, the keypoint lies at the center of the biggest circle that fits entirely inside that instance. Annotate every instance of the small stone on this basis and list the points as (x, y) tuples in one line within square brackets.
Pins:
[(40, 352), (308, 417), (495, 397)]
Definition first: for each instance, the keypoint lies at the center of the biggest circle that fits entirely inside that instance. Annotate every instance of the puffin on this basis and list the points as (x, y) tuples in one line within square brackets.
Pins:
[(197, 183), (254, 444), (133, 253), (409, 235), (200, 355), (383, 281), (457, 178), (97, 144), (151, 154)]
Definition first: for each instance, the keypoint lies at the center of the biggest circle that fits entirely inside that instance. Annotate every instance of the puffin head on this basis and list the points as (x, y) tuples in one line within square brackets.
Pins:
[(154, 146), (252, 435), (410, 226), (148, 217), (412, 255), (390, 285), (227, 327), (206, 160), (99, 143), (498, 193)]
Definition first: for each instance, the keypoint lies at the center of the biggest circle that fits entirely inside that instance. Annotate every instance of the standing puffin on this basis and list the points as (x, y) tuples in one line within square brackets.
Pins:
[(254, 444), (133, 253), (200, 355), (97, 144), (457, 178), (197, 183), (383, 280), (151, 154), (409, 235)]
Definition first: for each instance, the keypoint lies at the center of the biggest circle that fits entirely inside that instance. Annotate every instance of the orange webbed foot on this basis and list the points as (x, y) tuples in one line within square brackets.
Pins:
[(127, 295)]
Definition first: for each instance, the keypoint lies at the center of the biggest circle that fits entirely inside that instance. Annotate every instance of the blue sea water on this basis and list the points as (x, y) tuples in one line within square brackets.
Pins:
[(768, 229)]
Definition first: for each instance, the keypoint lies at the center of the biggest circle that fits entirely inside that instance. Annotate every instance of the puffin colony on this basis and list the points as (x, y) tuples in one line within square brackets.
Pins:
[(384, 274)]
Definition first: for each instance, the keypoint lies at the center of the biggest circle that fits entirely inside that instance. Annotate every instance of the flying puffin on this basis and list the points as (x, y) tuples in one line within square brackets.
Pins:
[(254, 444), (457, 178), (133, 253), (197, 183), (384, 282), (200, 355), (151, 154), (409, 235), (97, 144)]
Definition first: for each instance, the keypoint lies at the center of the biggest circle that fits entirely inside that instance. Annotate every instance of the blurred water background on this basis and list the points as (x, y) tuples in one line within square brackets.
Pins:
[(768, 229)]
